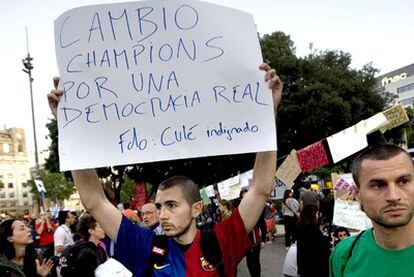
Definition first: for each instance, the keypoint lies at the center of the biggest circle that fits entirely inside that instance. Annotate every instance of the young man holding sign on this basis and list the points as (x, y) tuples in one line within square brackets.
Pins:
[(179, 203), (385, 179)]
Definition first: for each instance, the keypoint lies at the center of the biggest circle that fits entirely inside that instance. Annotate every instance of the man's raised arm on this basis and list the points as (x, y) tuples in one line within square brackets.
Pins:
[(253, 202), (89, 186)]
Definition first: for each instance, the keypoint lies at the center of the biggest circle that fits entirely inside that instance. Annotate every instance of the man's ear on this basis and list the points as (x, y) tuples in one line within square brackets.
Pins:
[(357, 194), (197, 208)]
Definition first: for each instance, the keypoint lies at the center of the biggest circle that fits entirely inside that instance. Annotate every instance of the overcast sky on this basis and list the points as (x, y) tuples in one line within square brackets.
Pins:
[(372, 31)]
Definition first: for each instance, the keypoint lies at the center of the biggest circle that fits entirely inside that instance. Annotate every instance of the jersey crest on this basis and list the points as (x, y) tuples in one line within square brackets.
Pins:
[(205, 265)]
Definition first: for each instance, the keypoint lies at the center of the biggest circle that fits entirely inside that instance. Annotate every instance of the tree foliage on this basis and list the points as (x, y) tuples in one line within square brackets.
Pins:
[(322, 95), (58, 188)]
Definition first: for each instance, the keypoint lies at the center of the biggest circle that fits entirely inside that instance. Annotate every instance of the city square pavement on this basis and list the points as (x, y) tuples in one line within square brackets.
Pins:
[(272, 257)]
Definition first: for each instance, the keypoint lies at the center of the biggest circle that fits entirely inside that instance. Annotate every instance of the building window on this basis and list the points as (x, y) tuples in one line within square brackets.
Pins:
[(12, 204), (20, 148), (6, 148), (25, 203), (2, 195), (24, 184), (1, 177), (11, 195), (405, 88), (10, 185), (25, 194), (3, 204), (407, 102)]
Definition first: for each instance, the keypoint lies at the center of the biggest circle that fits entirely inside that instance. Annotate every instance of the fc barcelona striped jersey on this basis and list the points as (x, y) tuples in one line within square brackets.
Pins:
[(133, 249)]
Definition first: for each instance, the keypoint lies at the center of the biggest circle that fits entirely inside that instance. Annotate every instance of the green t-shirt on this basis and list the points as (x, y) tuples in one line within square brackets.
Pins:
[(370, 259)]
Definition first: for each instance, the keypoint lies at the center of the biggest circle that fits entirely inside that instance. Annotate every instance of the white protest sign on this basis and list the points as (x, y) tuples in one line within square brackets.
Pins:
[(246, 179), (348, 214), (159, 80), (347, 142), (346, 182), (229, 189), (210, 191)]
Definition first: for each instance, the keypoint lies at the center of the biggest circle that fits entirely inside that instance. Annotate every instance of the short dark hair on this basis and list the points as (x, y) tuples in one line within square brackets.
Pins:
[(309, 216), (340, 230), (381, 152), (62, 217), (188, 187), (307, 185), (86, 222), (225, 203)]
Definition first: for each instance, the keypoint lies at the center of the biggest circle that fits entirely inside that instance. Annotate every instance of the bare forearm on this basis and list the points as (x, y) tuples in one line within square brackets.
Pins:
[(264, 172), (89, 187), (40, 229), (95, 201), (253, 203)]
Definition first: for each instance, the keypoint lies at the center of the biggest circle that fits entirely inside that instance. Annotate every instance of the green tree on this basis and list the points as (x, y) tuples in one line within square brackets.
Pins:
[(127, 190), (409, 126), (52, 162), (58, 188), (323, 93)]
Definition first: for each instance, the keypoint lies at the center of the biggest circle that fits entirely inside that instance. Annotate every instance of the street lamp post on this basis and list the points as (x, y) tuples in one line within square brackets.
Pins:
[(28, 66)]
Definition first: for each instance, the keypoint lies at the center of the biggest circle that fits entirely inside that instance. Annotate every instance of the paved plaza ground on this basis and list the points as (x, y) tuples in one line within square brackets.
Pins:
[(272, 258)]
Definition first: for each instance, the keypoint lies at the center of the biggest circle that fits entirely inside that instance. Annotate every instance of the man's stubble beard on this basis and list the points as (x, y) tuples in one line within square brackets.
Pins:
[(383, 222), (182, 229)]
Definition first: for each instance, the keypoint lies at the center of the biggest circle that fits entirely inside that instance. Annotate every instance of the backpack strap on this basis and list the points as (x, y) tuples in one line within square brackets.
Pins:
[(211, 250), (351, 250)]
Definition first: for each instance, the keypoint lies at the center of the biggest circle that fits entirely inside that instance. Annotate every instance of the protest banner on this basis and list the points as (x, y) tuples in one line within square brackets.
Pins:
[(348, 214), (204, 196), (159, 80), (289, 170), (345, 182), (375, 123), (246, 179), (395, 116), (312, 156), (210, 191), (229, 189), (347, 142)]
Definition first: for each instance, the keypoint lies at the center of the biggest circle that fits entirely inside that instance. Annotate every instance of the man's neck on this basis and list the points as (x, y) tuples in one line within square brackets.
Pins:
[(188, 237), (394, 238)]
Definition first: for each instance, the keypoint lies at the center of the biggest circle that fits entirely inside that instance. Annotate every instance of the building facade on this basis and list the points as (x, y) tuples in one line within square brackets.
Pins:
[(400, 82), (15, 195)]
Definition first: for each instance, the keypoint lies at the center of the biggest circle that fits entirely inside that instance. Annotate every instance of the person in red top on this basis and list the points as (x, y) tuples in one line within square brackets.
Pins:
[(46, 228)]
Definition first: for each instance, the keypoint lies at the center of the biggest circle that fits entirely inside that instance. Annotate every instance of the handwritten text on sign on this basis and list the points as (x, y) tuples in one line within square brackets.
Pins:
[(348, 214), (159, 80)]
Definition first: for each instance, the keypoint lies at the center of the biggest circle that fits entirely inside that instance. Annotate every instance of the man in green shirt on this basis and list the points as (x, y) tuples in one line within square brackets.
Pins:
[(384, 176)]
